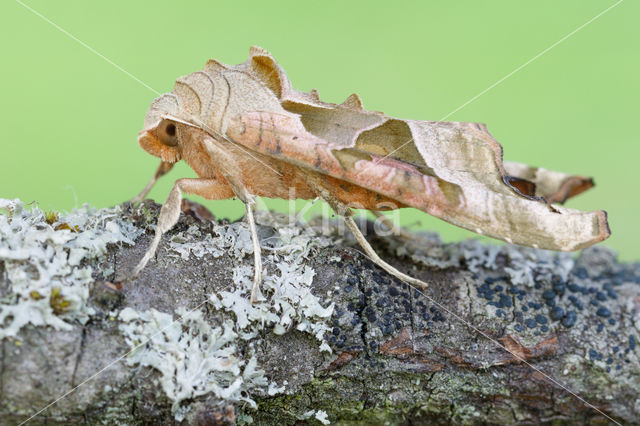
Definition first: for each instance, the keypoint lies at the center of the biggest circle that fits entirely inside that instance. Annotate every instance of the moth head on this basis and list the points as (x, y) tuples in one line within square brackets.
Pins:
[(162, 130)]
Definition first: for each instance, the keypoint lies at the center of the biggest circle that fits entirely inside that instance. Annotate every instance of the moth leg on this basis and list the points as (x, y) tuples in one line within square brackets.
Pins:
[(346, 213), (162, 170), (170, 212), (229, 168), (395, 230), (369, 251), (257, 255)]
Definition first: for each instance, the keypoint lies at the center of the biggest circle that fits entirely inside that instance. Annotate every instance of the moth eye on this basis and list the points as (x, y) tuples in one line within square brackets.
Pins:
[(167, 133)]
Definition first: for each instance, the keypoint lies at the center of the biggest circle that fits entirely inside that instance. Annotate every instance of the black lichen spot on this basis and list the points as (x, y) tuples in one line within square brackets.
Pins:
[(548, 294), (505, 301), (632, 342), (559, 286), (581, 273), (544, 328), (570, 319), (530, 322), (437, 316), (557, 313), (603, 312), (541, 319), (573, 287), (370, 314), (576, 302), (601, 296), (518, 327), (393, 291)]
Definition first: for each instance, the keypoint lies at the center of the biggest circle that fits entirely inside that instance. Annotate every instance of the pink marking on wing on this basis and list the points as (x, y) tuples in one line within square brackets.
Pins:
[(393, 163)]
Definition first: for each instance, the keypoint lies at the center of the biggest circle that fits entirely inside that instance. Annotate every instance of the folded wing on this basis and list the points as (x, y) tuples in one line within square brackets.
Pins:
[(451, 170)]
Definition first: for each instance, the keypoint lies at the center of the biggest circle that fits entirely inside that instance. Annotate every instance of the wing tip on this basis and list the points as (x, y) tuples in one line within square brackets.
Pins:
[(602, 231), (572, 186)]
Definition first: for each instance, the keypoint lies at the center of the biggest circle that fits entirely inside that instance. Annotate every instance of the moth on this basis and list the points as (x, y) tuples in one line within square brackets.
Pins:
[(246, 132)]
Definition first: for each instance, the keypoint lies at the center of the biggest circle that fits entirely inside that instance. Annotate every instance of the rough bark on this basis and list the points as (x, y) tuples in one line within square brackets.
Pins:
[(398, 357)]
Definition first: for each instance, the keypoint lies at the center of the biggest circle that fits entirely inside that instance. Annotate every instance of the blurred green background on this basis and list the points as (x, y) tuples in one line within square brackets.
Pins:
[(70, 118)]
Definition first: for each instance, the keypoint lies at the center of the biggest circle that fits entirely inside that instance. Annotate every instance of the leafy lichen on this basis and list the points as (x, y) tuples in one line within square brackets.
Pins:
[(196, 356), (43, 254)]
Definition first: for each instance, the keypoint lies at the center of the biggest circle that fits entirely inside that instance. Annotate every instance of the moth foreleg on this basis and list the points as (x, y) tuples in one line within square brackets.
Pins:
[(162, 170), (170, 212)]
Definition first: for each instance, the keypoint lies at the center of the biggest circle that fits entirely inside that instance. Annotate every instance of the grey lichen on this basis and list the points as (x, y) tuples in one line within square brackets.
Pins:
[(193, 358), (196, 357), (45, 262), (333, 339)]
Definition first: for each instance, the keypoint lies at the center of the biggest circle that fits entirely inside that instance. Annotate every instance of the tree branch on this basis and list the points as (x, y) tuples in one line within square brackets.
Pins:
[(396, 355)]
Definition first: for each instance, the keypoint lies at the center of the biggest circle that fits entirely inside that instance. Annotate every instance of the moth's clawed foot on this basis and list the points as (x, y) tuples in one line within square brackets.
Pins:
[(136, 200), (116, 286), (256, 294), (141, 196)]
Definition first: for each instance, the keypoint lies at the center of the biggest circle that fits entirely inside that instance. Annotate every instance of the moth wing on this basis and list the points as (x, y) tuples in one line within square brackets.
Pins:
[(555, 187), (464, 186)]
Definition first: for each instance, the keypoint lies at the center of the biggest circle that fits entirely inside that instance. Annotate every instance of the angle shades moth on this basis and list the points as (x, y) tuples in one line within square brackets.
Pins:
[(247, 132)]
